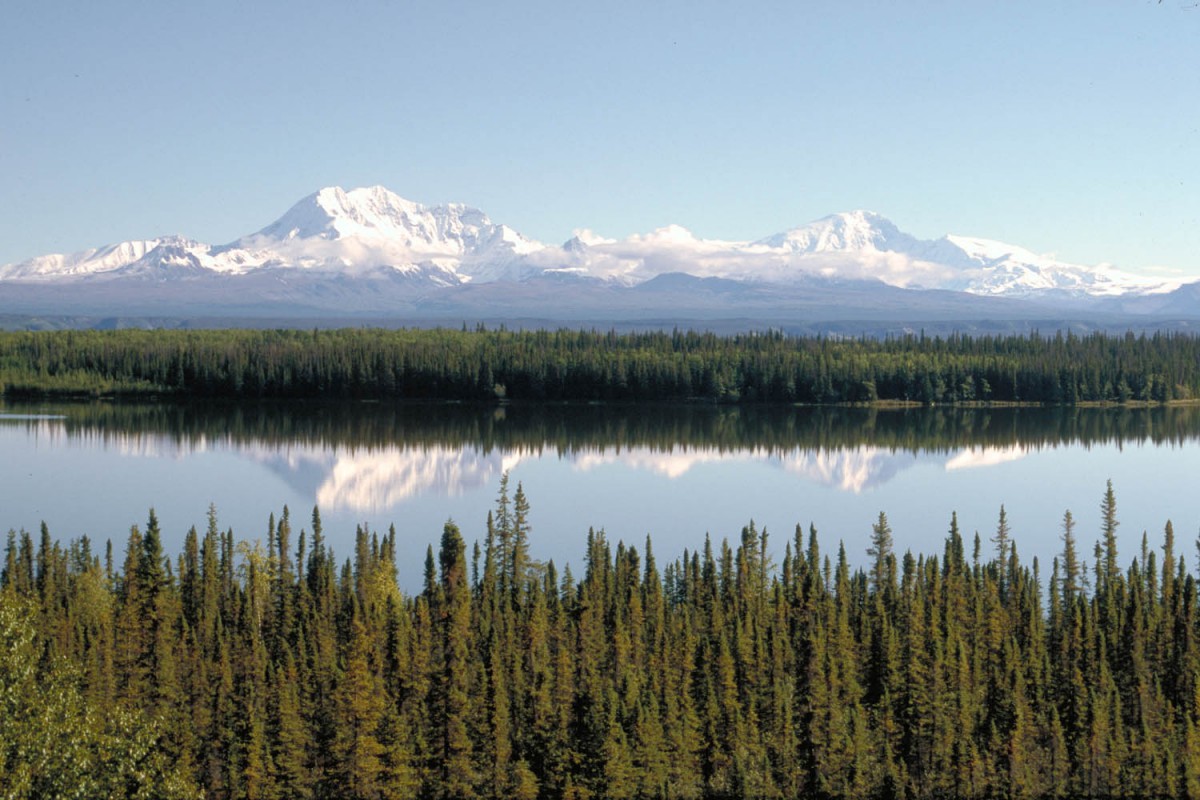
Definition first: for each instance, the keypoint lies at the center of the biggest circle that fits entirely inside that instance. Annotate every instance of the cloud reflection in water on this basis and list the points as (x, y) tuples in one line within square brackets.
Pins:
[(376, 479), (373, 479)]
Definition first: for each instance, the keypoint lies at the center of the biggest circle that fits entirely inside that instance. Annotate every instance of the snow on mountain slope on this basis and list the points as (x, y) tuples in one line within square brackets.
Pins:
[(376, 213), (866, 246), (852, 246), (333, 213), (374, 232), (996, 268), (978, 266), (373, 228), (853, 231), (87, 262), (354, 233)]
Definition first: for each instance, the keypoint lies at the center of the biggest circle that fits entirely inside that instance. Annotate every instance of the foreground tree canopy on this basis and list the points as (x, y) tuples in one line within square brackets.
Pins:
[(591, 366), (244, 670)]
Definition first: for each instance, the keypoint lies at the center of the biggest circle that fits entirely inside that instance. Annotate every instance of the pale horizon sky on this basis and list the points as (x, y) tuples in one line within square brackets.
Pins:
[(1070, 128)]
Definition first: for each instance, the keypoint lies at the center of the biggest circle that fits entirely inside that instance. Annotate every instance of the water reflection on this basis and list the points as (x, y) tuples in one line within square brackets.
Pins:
[(572, 425), (675, 473), (367, 458), (376, 479), (854, 470), (986, 457), (572, 428), (370, 480), (849, 469)]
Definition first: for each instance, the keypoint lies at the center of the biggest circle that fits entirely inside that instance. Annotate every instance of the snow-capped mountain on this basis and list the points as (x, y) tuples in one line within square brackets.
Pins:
[(995, 268), (960, 263), (369, 250), (356, 232), (853, 231), (372, 228), (94, 261)]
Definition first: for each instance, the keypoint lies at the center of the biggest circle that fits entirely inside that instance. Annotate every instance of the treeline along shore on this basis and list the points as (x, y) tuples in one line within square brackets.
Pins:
[(269, 669), (483, 365)]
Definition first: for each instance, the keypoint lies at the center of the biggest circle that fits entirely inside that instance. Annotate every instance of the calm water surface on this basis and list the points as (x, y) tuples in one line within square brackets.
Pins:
[(675, 473)]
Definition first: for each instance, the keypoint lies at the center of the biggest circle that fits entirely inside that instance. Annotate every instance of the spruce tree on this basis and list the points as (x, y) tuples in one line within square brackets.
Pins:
[(360, 710), (457, 779), (1002, 541), (1070, 561), (880, 552), (1108, 521)]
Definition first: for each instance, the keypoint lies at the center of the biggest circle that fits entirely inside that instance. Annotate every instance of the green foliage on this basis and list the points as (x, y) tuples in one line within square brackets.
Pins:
[(56, 744), (491, 366), (255, 673)]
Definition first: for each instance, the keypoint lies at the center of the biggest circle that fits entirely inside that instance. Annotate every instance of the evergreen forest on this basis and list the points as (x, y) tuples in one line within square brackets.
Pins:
[(270, 669), (482, 365)]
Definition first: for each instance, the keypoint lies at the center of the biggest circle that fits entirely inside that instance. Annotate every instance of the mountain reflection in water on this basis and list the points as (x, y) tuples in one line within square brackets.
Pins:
[(677, 473), (370, 457)]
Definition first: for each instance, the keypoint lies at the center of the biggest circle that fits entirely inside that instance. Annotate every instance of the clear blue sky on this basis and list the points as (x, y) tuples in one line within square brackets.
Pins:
[(1065, 127)]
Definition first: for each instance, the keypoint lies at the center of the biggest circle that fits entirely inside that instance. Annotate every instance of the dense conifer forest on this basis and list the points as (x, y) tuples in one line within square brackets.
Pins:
[(590, 366), (270, 669)]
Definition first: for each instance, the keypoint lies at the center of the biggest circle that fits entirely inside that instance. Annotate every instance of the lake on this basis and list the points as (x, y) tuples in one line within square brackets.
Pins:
[(673, 472)]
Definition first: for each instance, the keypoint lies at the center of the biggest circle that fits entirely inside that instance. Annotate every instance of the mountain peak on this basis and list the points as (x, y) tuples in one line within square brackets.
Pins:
[(856, 230), (372, 227), (333, 213), (857, 217)]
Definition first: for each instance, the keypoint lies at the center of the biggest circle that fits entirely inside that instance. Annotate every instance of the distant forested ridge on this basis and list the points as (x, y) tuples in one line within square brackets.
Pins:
[(591, 366), (252, 670)]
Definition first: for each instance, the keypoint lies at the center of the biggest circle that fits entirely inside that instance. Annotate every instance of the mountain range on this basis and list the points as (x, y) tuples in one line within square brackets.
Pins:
[(371, 254)]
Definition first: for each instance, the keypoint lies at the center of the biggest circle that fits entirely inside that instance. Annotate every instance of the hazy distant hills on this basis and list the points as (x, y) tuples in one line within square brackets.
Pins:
[(369, 254)]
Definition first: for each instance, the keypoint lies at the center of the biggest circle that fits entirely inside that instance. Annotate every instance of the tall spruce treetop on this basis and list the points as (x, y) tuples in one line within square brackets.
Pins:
[(457, 776), (519, 555), (880, 551), (503, 526), (150, 566), (1108, 521), (1168, 564), (1001, 540), (1070, 560)]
